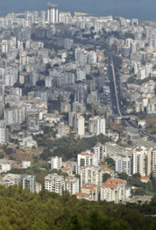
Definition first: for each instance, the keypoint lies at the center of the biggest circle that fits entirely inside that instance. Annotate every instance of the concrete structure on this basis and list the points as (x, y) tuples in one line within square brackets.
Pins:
[(3, 138), (65, 17), (139, 161), (55, 163), (62, 130), (27, 142), (11, 179), (151, 107), (114, 190), (26, 181), (65, 107), (92, 175), (33, 121), (54, 183), (72, 185), (80, 125), (86, 159), (84, 196), (52, 13), (97, 125), (151, 162), (90, 189), (26, 164), (100, 151), (5, 166), (123, 164)]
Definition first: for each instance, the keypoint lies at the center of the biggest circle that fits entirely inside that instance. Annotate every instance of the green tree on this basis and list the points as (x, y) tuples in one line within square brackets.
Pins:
[(123, 176), (110, 162), (106, 176)]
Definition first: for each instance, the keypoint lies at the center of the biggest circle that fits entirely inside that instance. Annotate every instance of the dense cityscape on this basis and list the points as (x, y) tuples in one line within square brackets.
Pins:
[(78, 105)]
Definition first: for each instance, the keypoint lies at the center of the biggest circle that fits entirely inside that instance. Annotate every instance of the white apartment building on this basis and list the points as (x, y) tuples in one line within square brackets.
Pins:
[(90, 189), (2, 132), (151, 162), (54, 183), (29, 182), (97, 125), (113, 149), (11, 75), (43, 17), (80, 74), (148, 69), (59, 184), (68, 43), (92, 57), (91, 175), (81, 55), (33, 121), (100, 151), (72, 185), (15, 115), (65, 107), (48, 82), (86, 159), (26, 164), (65, 17), (26, 181), (11, 116), (10, 80), (5, 166), (151, 107), (80, 125), (11, 179), (62, 130), (55, 163), (123, 164), (78, 107), (139, 161), (113, 190), (52, 13)]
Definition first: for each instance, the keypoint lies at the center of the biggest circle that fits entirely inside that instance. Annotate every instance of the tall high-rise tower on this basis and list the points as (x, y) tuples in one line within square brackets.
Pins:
[(2, 91), (52, 13)]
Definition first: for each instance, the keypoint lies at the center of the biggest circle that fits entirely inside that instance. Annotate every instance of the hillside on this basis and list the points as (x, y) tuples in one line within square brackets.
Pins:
[(21, 210)]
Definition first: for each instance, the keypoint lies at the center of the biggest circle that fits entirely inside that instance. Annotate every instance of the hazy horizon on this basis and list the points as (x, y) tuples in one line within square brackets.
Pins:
[(142, 9)]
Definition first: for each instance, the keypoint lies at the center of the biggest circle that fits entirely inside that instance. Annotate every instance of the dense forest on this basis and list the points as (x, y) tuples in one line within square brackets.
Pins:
[(22, 210), (67, 147)]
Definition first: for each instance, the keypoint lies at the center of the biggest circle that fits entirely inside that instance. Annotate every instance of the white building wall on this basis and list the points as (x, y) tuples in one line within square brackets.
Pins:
[(140, 161)]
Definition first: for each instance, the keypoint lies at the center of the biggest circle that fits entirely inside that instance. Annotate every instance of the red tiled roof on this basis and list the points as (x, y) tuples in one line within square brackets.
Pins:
[(116, 181), (90, 187), (66, 169), (139, 149), (16, 166), (106, 168), (85, 195), (144, 178), (86, 154), (70, 178), (109, 185)]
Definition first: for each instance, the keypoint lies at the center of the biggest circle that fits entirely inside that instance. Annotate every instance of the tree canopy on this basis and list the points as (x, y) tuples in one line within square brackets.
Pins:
[(68, 147), (22, 210)]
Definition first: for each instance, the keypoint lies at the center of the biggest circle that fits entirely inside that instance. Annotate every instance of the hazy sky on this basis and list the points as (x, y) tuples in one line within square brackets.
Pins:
[(145, 9)]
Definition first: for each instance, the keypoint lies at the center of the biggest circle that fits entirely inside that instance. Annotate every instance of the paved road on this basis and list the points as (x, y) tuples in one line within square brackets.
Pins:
[(114, 85), (116, 96)]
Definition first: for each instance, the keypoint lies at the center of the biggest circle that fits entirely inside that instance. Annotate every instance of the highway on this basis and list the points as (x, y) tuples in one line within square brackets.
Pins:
[(117, 105), (116, 96), (115, 89)]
